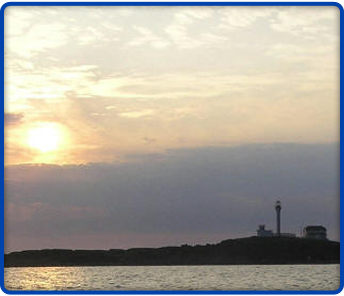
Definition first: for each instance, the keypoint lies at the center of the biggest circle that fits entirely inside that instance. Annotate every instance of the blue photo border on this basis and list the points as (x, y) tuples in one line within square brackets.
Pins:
[(154, 292)]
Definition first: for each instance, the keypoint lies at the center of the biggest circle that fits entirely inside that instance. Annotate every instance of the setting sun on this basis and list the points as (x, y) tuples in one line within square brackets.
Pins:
[(45, 137)]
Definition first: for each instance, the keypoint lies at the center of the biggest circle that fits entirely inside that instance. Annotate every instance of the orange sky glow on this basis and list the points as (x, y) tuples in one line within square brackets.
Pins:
[(204, 77)]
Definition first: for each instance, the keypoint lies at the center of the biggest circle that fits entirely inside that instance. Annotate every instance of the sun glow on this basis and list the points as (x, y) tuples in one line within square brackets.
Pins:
[(45, 137)]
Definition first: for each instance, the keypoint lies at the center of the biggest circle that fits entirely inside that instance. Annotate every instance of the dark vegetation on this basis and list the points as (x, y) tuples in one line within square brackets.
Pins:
[(252, 250)]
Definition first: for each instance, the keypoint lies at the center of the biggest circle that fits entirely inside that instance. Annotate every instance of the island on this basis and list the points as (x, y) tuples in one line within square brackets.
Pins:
[(250, 250)]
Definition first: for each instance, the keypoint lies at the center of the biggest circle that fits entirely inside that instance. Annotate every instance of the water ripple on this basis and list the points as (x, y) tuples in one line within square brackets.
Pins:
[(244, 277)]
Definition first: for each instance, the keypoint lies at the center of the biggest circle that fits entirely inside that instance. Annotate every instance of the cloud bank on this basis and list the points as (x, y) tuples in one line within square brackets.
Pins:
[(183, 196)]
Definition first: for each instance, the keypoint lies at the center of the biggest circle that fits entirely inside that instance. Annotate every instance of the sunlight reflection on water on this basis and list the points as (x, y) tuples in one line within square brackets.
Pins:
[(244, 277)]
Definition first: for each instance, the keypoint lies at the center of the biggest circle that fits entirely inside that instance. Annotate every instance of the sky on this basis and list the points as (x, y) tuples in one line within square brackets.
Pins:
[(151, 126)]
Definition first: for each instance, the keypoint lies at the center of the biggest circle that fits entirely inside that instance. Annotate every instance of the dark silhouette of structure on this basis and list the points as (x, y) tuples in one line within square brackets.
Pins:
[(264, 232), (315, 232), (278, 208)]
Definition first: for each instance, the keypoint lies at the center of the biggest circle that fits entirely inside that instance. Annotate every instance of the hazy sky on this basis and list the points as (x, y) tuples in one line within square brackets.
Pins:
[(138, 126)]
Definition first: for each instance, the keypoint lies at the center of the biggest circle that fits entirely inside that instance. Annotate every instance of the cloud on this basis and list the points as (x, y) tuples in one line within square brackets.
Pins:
[(177, 32), (13, 118), (179, 29), (147, 36), (195, 192), (307, 22), (39, 38), (236, 18), (52, 83), (137, 114), (200, 13), (90, 36), (111, 107)]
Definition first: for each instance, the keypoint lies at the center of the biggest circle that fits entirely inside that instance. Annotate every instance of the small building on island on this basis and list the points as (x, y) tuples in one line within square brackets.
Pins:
[(315, 232), (261, 231), (311, 231)]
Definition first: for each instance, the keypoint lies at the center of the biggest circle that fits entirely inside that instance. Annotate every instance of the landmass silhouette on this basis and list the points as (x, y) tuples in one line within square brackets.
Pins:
[(250, 250)]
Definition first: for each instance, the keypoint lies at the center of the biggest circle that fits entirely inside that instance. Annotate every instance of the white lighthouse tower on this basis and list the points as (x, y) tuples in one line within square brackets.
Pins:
[(278, 207)]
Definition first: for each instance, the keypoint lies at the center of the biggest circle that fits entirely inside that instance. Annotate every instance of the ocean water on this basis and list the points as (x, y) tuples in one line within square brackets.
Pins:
[(229, 277)]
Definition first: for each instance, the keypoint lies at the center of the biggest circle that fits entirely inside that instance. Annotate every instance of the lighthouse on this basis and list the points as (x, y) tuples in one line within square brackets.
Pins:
[(278, 208)]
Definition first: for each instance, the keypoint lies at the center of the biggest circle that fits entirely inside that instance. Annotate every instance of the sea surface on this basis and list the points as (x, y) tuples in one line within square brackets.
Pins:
[(229, 277)]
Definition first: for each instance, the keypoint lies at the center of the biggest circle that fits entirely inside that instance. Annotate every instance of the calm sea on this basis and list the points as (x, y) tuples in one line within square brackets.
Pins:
[(243, 277)]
